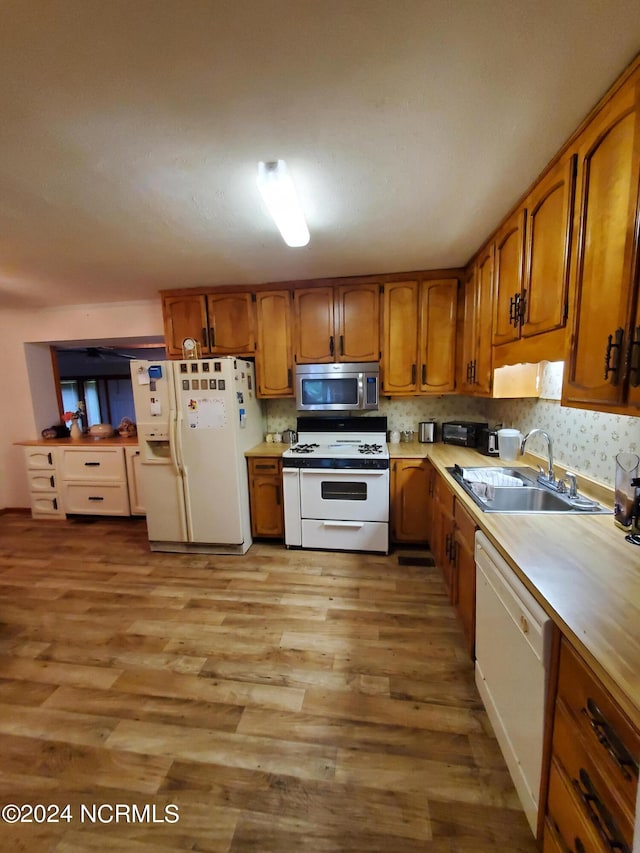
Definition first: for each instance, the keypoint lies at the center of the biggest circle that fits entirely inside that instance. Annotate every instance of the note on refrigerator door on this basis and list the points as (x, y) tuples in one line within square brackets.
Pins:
[(206, 413)]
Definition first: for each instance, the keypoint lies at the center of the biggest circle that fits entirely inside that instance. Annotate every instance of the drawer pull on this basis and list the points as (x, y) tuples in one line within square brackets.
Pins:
[(52, 480), (95, 498), (524, 624), (265, 467), (92, 464), (50, 458), (599, 815), (55, 503), (610, 740)]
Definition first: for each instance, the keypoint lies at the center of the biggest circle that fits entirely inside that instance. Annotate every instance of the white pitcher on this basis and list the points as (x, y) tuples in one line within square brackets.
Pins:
[(509, 441)]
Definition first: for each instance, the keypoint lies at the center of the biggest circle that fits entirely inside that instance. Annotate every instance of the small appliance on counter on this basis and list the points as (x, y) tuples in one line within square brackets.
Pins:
[(426, 432), (488, 441), (462, 433)]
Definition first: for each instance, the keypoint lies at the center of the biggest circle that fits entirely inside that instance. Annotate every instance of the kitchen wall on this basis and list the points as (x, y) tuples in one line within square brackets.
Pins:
[(401, 412), (26, 380), (583, 440)]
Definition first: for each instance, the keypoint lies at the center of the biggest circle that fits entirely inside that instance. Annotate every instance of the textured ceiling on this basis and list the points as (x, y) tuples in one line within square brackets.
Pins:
[(130, 131)]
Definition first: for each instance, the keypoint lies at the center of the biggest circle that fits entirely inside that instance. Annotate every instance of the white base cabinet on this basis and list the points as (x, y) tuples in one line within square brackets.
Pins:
[(85, 480), (45, 488)]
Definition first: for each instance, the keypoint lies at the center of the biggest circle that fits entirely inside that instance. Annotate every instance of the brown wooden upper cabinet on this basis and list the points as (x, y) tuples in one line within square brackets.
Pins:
[(223, 323), (419, 337), (340, 323), (604, 367), (532, 259), (274, 353), (475, 364)]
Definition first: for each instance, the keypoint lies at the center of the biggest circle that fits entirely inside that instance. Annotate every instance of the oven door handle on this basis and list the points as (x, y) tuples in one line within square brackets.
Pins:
[(356, 524), (344, 472)]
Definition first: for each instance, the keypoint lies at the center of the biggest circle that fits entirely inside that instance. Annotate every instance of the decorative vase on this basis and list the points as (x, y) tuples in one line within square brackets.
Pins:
[(75, 431)]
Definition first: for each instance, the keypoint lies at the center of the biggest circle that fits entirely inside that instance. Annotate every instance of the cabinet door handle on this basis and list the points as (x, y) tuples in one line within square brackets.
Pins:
[(512, 309), (473, 372), (92, 464), (522, 307), (212, 336), (55, 503), (610, 741), (341, 344), (424, 374), (95, 498), (614, 346), (599, 814), (447, 546), (289, 378), (331, 345), (634, 362), (204, 337), (52, 481), (414, 371), (50, 458)]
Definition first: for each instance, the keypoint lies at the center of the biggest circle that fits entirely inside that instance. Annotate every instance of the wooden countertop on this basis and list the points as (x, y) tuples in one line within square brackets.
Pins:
[(578, 567), (85, 441)]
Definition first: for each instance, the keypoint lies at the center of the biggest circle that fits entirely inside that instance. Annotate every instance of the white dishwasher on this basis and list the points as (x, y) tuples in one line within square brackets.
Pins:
[(512, 651)]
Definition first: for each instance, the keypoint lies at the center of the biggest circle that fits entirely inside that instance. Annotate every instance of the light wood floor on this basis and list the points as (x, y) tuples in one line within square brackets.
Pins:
[(283, 701)]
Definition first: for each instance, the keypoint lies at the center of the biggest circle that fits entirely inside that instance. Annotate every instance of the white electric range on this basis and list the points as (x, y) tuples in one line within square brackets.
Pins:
[(336, 485)]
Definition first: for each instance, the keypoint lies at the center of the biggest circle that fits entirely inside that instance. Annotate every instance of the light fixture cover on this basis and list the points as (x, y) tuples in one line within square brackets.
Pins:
[(279, 193)]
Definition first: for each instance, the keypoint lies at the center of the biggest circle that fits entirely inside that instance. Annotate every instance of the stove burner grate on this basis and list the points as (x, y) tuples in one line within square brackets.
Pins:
[(304, 448), (370, 449)]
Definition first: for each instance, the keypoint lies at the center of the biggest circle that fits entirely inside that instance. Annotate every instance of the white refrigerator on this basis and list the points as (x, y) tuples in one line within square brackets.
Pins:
[(195, 420)]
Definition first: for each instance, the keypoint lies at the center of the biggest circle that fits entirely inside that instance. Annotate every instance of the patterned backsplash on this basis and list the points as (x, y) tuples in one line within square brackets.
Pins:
[(584, 441)]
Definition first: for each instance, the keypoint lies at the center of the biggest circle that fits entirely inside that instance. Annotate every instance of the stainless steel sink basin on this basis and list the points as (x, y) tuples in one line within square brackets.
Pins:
[(530, 497)]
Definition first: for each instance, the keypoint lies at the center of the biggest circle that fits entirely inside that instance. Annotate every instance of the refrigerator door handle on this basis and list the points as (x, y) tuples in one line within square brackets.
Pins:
[(173, 447)]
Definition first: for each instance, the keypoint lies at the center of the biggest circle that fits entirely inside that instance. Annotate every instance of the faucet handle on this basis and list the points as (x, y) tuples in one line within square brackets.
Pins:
[(573, 484)]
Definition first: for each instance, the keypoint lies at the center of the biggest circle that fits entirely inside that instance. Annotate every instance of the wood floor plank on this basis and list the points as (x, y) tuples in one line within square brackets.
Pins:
[(284, 700)]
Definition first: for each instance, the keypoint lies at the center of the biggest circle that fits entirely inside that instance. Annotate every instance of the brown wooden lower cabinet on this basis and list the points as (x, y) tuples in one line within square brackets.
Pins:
[(593, 771), (411, 491), (453, 547), (265, 497)]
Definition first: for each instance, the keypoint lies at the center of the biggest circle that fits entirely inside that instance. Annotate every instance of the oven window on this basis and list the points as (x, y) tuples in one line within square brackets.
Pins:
[(341, 491), (330, 391)]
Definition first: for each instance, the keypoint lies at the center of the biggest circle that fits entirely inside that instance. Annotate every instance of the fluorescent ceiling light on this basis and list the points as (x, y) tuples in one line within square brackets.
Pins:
[(279, 194)]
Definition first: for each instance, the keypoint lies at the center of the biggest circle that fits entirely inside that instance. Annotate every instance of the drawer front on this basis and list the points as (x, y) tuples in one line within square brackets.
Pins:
[(345, 535), (264, 466), (100, 499), (46, 506), (100, 464), (45, 481), (566, 816), (552, 843), (38, 458), (609, 737), (600, 802)]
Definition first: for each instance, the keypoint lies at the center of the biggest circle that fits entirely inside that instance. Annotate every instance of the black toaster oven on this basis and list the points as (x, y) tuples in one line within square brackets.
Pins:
[(462, 433)]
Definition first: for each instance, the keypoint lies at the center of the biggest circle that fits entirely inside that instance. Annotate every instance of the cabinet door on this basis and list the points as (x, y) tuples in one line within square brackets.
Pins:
[(482, 368), (602, 269), (438, 336), (231, 324), (550, 217), (400, 341), (442, 533), (509, 260), (411, 500), (315, 338), (274, 356), (184, 317), (468, 346), (465, 569), (265, 497), (357, 319), (634, 365)]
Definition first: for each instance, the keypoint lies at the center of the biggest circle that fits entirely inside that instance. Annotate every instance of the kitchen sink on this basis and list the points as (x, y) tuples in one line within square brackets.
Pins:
[(529, 497)]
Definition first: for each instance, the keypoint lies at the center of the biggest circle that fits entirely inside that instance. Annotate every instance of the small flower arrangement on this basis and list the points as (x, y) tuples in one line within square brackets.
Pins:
[(74, 416)]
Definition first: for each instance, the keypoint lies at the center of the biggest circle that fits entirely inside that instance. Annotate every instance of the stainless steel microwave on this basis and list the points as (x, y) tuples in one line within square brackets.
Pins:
[(337, 387)]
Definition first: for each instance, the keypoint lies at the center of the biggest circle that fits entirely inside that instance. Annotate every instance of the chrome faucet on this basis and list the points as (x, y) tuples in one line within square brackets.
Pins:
[(548, 477)]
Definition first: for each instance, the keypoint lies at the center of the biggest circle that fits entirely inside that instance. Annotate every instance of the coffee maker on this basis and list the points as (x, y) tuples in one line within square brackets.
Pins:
[(626, 508)]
